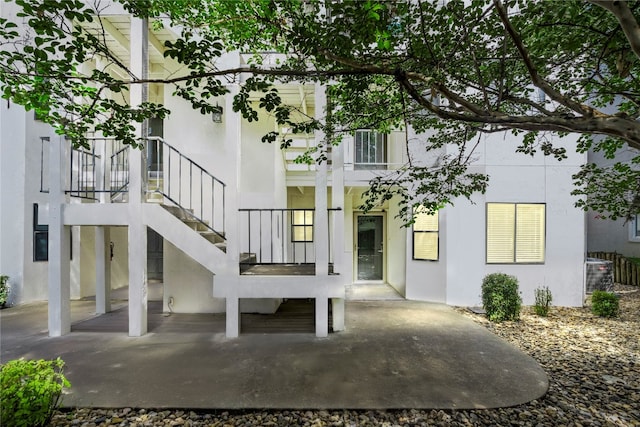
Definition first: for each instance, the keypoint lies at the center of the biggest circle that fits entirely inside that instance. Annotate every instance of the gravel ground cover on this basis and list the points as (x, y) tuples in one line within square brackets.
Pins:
[(593, 366)]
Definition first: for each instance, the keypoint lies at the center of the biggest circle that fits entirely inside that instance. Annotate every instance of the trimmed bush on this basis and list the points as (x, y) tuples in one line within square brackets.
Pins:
[(543, 301), (30, 391), (605, 304), (4, 289), (500, 297)]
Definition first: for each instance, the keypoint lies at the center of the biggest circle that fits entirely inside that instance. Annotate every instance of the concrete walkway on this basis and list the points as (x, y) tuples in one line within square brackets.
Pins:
[(394, 354)]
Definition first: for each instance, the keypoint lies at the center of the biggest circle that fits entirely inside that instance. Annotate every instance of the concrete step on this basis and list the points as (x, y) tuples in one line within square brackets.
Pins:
[(195, 224), (178, 212), (211, 236)]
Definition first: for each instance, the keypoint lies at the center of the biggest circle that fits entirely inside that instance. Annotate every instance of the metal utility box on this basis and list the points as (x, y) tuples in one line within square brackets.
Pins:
[(598, 275)]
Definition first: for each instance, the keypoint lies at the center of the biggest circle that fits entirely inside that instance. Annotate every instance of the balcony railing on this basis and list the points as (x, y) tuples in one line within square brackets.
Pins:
[(101, 169), (281, 236)]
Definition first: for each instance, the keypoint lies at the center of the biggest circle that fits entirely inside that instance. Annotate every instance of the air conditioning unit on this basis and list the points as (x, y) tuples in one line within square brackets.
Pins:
[(598, 275)]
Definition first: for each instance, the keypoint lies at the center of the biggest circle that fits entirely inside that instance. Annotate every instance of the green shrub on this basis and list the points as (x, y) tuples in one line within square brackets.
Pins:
[(605, 304), (500, 297), (4, 289), (30, 391), (543, 301)]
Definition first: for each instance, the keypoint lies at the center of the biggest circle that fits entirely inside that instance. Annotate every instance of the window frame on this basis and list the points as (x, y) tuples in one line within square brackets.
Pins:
[(515, 234), (436, 232), (634, 231), (378, 138), (303, 225)]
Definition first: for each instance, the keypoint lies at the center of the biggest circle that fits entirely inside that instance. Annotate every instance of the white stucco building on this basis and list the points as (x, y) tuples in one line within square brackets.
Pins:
[(237, 226)]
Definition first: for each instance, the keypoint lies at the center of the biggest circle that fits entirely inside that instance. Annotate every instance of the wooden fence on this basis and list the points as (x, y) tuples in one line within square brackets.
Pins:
[(625, 271)]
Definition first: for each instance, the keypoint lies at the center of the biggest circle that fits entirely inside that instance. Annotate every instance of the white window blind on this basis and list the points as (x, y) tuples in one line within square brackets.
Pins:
[(530, 233), (515, 233), (500, 232), (425, 236)]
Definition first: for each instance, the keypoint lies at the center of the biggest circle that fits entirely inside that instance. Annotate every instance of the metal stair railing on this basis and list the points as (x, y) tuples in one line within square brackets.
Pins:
[(102, 168), (186, 184)]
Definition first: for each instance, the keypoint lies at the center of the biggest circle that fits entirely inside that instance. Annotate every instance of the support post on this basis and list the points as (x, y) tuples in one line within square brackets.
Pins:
[(232, 317), (337, 311), (103, 269), (322, 317), (321, 220), (59, 317), (137, 229)]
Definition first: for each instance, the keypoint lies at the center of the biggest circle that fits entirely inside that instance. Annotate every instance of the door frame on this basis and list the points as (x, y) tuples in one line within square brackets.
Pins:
[(354, 273)]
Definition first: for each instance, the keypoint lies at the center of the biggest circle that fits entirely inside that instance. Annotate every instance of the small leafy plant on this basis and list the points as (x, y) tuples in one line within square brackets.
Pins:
[(605, 304), (543, 300), (4, 290), (30, 391), (500, 297)]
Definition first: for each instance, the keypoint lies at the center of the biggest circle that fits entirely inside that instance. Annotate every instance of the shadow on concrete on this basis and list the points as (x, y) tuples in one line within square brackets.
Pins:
[(394, 354)]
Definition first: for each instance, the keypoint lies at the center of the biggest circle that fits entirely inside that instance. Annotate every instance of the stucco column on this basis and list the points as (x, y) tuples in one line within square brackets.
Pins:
[(59, 248), (337, 233), (322, 317), (137, 229), (103, 269), (337, 311), (321, 225), (232, 328), (232, 127)]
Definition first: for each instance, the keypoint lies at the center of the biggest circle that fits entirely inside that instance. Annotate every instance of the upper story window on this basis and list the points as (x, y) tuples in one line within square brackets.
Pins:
[(425, 235), (515, 233), (370, 150)]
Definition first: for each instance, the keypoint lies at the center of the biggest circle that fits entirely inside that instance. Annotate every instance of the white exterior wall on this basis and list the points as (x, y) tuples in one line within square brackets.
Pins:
[(607, 235), (396, 238), (515, 178)]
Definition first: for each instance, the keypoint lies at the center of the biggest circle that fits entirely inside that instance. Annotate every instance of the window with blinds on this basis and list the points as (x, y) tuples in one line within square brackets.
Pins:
[(425, 235), (302, 225), (515, 233), (370, 150)]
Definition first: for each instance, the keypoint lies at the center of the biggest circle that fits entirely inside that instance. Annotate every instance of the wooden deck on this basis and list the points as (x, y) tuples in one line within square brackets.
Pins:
[(280, 269)]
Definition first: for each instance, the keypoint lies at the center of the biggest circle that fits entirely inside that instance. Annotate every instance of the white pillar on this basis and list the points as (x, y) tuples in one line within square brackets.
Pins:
[(322, 317), (337, 201), (232, 329), (337, 311), (137, 229), (103, 269), (321, 225), (59, 247), (232, 127), (321, 220)]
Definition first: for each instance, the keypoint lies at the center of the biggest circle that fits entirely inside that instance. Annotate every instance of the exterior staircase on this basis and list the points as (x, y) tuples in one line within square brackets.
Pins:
[(187, 218)]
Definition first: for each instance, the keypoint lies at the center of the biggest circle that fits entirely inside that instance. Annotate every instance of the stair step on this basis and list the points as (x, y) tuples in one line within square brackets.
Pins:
[(212, 237), (178, 212), (196, 225), (248, 258)]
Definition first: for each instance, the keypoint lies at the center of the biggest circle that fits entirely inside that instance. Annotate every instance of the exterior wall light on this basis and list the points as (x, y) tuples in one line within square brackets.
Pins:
[(216, 115)]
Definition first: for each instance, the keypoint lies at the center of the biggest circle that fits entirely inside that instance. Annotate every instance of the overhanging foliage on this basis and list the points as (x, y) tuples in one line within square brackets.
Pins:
[(463, 69)]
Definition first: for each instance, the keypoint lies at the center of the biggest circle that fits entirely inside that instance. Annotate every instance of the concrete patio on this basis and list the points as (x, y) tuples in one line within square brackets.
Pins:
[(393, 354)]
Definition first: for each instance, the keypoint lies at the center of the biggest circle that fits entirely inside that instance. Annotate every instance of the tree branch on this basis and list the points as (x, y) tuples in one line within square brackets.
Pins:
[(628, 23), (533, 72)]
